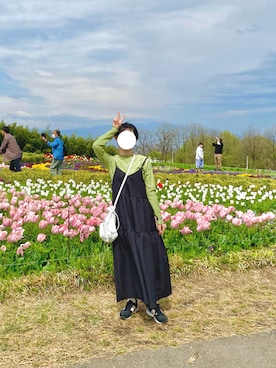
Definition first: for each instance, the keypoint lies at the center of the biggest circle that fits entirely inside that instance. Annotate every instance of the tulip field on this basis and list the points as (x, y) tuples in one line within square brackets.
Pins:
[(52, 224)]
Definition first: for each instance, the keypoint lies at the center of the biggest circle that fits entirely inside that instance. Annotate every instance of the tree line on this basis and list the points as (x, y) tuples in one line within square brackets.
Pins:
[(172, 143), (253, 149)]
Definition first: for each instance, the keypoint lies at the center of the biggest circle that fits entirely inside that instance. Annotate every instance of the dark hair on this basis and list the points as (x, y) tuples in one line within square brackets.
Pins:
[(57, 131), (126, 126), (6, 129)]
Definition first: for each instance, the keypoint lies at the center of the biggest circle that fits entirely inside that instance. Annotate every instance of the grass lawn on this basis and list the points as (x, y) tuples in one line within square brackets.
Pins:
[(48, 325)]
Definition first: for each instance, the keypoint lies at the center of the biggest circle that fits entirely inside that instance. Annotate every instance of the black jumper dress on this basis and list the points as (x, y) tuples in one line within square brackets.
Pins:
[(141, 266)]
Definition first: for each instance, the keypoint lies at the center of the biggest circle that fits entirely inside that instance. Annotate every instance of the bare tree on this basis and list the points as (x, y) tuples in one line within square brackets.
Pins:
[(270, 134), (196, 133), (181, 135), (165, 140), (145, 143), (253, 147)]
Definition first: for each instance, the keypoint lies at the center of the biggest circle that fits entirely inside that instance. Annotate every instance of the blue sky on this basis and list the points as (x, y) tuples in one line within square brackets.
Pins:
[(73, 64)]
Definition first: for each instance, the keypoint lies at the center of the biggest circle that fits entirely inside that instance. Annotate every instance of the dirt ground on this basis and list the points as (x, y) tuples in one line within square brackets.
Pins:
[(61, 328)]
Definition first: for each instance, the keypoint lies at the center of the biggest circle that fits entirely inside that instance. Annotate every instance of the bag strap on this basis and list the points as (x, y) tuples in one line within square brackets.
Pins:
[(144, 162), (123, 182)]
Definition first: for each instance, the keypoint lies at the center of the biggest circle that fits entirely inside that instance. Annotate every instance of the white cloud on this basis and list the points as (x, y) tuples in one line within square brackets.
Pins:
[(91, 58)]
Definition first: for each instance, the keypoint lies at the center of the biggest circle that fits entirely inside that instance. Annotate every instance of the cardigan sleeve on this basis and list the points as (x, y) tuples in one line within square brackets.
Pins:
[(151, 190), (99, 148)]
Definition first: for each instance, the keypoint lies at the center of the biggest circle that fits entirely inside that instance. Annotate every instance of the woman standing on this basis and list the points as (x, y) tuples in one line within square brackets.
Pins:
[(199, 157), (141, 265)]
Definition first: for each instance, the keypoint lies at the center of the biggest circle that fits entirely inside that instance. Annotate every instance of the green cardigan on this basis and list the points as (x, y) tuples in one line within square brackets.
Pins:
[(122, 162)]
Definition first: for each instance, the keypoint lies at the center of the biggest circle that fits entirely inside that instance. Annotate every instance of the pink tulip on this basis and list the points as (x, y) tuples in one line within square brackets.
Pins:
[(25, 245), (84, 210), (209, 217), (166, 216), (55, 229), (92, 221), (67, 212), (17, 224), (31, 217), (14, 200), (269, 216), (62, 228), (55, 211), (75, 222), (186, 230), (239, 213), (7, 221), (15, 235), (41, 237), (236, 221), (3, 248), (223, 213), (97, 212), (190, 215), (77, 203), (56, 198), (20, 251), (52, 220), (43, 224), (203, 226), (71, 233), (4, 206), (175, 224), (3, 235)]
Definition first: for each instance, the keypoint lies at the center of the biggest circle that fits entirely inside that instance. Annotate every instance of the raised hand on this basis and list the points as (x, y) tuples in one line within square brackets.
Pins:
[(118, 120)]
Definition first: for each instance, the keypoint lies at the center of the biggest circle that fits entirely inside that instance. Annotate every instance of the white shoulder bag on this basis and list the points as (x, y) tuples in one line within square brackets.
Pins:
[(108, 229)]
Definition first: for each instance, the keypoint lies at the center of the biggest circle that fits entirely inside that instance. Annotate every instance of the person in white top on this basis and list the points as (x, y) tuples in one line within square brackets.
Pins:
[(199, 157)]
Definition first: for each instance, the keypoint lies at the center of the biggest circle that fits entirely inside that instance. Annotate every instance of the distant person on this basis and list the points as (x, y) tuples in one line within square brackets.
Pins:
[(57, 146), (11, 150), (199, 157), (218, 144)]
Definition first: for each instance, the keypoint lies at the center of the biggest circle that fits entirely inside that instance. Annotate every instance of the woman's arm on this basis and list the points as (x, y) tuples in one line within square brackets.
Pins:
[(152, 196), (99, 145), (151, 190), (99, 148)]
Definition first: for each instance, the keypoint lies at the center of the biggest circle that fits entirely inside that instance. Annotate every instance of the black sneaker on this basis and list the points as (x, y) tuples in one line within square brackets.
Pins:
[(129, 309), (157, 314)]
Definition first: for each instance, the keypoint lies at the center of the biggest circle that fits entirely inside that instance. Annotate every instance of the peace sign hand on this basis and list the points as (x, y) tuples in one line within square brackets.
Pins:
[(118, 120)]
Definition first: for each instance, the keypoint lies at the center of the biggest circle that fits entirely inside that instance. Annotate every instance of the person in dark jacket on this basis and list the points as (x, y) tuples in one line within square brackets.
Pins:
[(10, 150), (57, 146), (218, 144)]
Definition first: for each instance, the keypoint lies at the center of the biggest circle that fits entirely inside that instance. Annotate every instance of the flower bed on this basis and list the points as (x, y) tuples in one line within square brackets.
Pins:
[(71, 162), (47, 224)]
